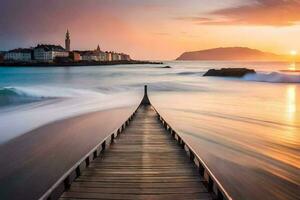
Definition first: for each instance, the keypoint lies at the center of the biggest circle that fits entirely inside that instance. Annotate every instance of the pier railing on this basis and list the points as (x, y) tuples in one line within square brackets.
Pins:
[(212, 183), (64, 183)]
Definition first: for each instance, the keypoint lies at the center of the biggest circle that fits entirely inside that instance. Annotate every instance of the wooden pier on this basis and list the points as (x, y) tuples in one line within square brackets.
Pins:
[(145, 159)]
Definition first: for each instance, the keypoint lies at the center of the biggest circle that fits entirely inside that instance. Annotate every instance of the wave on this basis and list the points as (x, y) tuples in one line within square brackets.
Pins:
[(11, 95), (20, 95), (274, 77), (44, 112)]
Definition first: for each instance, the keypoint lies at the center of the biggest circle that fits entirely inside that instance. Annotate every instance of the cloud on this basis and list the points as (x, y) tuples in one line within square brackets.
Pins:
[(258, 13)]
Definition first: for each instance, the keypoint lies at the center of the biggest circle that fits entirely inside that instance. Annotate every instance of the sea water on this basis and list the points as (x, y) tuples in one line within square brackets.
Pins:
[(246, 129)]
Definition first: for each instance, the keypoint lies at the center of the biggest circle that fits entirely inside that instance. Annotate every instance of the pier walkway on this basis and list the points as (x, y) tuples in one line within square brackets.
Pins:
[(144, 159), (144, 163)]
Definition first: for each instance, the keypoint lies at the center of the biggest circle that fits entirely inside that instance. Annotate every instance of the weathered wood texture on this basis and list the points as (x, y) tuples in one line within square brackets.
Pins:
[(144, 162)]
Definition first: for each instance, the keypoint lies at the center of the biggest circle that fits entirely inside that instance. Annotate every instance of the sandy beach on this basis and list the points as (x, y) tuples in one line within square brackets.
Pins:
[(31, 163)]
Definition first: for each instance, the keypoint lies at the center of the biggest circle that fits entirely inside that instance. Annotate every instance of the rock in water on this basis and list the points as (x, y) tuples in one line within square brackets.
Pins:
[(229, 72), (166, 67)]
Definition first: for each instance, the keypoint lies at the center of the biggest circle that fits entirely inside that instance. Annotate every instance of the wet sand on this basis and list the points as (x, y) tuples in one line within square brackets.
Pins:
[(31, 163)]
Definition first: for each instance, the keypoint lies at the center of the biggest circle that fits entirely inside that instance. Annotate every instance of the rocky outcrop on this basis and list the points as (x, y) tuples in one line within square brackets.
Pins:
[(229, 72)]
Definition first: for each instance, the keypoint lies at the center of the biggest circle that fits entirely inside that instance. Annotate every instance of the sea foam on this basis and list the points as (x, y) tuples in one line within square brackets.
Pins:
[(56, 103), (274, 77)]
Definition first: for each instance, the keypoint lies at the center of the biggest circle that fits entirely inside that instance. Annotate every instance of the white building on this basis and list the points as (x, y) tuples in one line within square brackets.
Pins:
[(100, 54), (24, 55), (89, 56), (116, 56), (47, 53), (108, 56), (96, 55)]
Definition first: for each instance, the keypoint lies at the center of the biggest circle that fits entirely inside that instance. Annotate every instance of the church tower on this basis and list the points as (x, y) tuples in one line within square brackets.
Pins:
[(68, 41)]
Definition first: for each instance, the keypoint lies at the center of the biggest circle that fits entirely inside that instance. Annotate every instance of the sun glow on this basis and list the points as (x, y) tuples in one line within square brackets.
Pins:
[(293, 52)]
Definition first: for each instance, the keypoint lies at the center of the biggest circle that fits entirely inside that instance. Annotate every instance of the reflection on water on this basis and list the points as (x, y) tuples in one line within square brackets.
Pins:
[(293, 66), (291, 102), (248, 134), (292, 114)]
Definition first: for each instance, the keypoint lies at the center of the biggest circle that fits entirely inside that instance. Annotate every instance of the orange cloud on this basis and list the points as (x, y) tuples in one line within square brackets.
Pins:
[(260, 13)]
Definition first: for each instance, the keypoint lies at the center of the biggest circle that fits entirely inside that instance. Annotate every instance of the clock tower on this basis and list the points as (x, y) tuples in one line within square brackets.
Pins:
[(68, 41)]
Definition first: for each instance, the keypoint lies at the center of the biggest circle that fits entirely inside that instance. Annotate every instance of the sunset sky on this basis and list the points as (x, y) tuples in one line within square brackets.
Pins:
[(152, 29)]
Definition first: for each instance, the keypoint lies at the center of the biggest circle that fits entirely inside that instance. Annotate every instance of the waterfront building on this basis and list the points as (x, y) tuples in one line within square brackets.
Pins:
[(75, 56), (89, 56), (108, 56), (115, 56), (2, 53), (23, 55), (96, 55), (125, 57), (68, 41), (47, 53), (100, 54)]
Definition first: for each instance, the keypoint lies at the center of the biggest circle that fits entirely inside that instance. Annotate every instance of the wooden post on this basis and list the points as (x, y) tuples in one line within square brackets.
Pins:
[(112, 138), (180, 141), (192, 156), (210, 184), (78, 173), (87, 161), (173, 134), (67, 183), (95, 154), (103, 146), (220, 195), (182, 144), (201, 169)]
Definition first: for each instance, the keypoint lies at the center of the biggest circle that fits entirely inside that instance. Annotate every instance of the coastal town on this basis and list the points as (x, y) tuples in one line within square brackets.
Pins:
[(56, 54)]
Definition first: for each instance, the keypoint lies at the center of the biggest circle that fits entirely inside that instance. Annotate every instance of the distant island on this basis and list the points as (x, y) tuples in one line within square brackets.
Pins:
[(232, 53)]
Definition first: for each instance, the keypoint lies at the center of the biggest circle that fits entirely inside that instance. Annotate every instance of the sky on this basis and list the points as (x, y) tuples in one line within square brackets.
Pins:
[(152, 29)]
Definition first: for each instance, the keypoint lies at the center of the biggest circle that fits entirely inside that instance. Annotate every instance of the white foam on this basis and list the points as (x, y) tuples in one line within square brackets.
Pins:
[(273, 77), (17, 120), (51, 91)]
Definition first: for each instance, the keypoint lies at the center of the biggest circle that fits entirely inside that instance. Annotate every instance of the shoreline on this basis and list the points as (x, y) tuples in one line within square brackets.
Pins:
[(78, 64), (45, 153)]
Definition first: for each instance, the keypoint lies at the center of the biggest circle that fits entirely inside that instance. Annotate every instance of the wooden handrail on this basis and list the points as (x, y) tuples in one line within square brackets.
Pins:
[(213, 183)]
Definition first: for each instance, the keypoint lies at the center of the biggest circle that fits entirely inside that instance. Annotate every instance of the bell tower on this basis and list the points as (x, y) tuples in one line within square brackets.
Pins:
[(68, 41)]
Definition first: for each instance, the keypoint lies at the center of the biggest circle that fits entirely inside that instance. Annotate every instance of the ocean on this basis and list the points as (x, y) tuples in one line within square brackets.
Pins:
[(246, 129)]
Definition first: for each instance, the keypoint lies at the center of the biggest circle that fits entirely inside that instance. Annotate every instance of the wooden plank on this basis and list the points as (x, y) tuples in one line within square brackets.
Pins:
[(134, 185), (78, 195), (144, 162), (146, 191)]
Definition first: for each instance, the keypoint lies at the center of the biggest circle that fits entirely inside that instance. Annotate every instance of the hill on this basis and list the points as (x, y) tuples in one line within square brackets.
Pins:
[(231, 53)]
